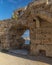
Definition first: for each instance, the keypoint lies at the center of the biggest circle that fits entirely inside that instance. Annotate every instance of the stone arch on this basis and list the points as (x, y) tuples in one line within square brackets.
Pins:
[(15, 33)]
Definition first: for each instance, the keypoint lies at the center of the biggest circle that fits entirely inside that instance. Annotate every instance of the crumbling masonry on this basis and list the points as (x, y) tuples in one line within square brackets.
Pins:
[(37, 17)]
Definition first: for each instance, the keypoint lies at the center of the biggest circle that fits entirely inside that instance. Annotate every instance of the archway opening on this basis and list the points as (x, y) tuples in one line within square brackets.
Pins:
[(20, 37), (26, 36)]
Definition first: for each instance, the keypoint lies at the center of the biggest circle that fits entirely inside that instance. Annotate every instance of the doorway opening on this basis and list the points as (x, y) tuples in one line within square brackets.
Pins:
[(42, 52)]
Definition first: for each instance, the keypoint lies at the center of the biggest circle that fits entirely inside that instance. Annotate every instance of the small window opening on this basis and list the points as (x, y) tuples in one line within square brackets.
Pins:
[(34, 20)]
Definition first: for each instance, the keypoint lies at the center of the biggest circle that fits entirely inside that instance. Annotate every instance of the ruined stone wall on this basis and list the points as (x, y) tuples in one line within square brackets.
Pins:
[(10, 33), (41, 39), (38, 19)]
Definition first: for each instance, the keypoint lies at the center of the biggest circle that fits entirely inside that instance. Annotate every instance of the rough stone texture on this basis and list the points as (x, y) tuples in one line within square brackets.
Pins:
[(17, 43), (37, 17), (10, 34)]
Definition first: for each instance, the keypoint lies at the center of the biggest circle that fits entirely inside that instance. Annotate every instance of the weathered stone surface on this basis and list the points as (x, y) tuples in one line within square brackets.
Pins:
[(17, 43), (37, 17), (10, 33)]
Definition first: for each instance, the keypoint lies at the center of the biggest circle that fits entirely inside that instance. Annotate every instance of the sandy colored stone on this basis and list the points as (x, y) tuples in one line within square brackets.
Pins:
[(37, 17)]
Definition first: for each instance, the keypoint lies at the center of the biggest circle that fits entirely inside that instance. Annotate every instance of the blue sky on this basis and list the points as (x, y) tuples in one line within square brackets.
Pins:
[(26, 34), (8, 6)]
